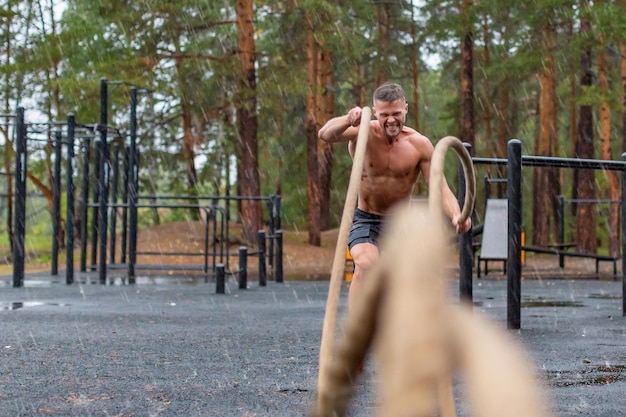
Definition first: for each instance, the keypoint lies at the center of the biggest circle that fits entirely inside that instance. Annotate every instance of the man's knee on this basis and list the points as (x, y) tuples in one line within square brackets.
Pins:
[(364, 255)]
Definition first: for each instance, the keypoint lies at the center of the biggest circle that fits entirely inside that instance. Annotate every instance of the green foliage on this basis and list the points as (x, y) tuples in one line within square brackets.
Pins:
[(176, 215), (184, 52)]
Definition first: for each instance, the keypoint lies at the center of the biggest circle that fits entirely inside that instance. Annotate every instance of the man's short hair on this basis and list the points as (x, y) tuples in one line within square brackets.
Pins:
[(389, 92)]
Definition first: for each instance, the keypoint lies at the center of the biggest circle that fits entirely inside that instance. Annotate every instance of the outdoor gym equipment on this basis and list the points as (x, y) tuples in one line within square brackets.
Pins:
[(100, 145), (514, 162)]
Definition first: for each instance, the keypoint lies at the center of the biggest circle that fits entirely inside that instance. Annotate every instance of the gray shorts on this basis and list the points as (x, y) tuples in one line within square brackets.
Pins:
[(365, 228)]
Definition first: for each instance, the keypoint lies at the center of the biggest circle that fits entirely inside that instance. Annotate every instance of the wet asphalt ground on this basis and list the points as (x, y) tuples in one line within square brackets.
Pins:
[(173, 347)]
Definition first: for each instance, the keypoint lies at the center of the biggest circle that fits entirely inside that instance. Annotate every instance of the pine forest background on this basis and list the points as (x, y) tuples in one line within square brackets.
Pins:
[(233, 93)]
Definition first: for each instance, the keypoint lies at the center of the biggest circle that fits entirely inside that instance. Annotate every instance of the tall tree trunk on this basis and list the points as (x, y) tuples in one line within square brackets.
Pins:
[(8, 154), (487, 93), (312, 184), (467, 77), (188, 145), (189, 154), (414, 54), (605, 143), (573, 127), (573, 88), (544, 196), (55, 103), (383, 11), (247, 122), (325, 110), (8, 143), (622, 62), (503, 130), (585, 180)]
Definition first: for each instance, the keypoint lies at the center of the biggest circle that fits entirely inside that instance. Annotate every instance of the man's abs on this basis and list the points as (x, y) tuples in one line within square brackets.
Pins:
[(378, 195)]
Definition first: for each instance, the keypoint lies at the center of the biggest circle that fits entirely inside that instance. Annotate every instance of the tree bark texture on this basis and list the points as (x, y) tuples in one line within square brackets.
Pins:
[(605, 143), (622, 63), (503, 132), (585, 178), (189, 155), (312, 184), (325, 108), (467, 79), (544, 196), (248, 123), (383, 12), (487, 93), (415, 71)]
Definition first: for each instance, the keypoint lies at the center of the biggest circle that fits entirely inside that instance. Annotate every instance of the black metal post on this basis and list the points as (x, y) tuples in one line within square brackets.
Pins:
[(262, 270), (215, 238), (243, 267), (209, 214), (114, 186), (69, 207), (277, 226), (124, 237), (487, 190), (56, 203), (466, 255), (19, 219), (97, 144), (277, 203), (220, 279), (514, 262), (271, 228), (560, 213), (85, 198), (103, 180), (227, 195), (624, 239), (132, 186), (279, 256)]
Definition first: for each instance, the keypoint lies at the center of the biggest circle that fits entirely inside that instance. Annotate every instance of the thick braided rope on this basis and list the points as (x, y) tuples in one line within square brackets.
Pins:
[(334, 289), (437, 177)]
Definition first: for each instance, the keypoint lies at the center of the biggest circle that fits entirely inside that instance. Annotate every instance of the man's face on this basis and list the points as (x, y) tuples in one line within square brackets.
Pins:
[(391, 116)]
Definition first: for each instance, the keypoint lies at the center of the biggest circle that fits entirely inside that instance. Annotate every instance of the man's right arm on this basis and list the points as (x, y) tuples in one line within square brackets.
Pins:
[(341, 128)]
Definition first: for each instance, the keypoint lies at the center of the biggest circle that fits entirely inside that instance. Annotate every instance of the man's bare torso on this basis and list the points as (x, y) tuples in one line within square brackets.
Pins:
[(390, 169)]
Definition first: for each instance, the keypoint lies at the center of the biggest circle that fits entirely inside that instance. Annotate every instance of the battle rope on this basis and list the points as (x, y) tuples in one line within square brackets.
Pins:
[(437, 177), (332, 302)]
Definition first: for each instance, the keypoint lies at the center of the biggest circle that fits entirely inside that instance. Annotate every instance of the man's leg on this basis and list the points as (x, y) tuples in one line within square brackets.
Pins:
[(363, 255)]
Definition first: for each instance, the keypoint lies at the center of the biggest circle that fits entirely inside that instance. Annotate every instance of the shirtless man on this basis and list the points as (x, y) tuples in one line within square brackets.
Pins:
[(394, 158)]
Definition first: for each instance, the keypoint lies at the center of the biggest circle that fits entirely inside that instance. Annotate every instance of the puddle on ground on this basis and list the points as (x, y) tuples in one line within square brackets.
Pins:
[(591, 375), (31, 283), (26, 304), (308, 277), (541, 302), (606, 296), (158, 280)]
